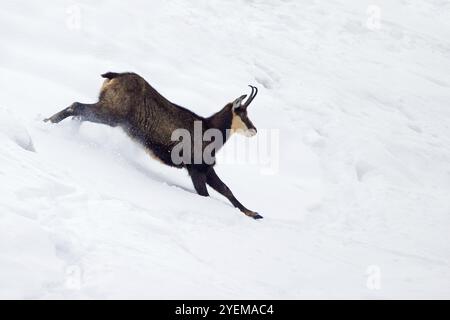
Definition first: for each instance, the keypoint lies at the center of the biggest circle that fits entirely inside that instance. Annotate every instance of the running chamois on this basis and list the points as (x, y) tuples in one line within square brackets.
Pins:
[(128, 101)]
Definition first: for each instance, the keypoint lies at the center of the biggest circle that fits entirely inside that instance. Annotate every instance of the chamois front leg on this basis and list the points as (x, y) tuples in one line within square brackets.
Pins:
[(214, 181), (199, 181)]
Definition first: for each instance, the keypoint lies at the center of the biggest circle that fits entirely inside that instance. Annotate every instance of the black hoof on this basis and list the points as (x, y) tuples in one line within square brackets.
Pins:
[(51, 119), (257, 216)]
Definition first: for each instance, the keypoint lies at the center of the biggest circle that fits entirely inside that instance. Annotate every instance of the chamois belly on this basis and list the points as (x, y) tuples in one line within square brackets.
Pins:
[(161, 154), (157, 151)]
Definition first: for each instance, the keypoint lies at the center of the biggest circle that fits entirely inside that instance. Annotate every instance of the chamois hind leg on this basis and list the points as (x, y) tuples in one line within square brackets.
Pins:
[(82, 111), (214, 181), (75, 109)]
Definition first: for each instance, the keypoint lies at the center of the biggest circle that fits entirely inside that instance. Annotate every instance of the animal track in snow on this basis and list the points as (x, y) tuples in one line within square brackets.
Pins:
[(362, 168), (265, 76), (11, 127)]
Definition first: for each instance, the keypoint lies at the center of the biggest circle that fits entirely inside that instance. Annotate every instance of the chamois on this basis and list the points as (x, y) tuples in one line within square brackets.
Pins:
[(129, 101)]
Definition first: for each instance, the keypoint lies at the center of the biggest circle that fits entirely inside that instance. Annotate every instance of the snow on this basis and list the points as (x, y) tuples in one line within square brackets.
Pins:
[(356, 204)]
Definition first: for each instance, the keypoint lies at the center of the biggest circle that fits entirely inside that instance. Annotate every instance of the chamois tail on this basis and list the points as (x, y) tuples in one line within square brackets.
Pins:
[(110, 75)]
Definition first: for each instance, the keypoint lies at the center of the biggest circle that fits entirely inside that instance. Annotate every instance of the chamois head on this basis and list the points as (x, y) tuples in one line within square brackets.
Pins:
[(240, 122)]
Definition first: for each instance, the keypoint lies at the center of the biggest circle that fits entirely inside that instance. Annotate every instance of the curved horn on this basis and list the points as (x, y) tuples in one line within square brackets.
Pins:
[(252, 96)]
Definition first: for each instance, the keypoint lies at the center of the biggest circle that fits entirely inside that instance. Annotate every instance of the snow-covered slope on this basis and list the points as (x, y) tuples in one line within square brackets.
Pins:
[(358, 206)]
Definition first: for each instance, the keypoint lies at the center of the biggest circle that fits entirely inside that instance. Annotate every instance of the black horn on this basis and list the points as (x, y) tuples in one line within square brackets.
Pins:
[(252, 96)]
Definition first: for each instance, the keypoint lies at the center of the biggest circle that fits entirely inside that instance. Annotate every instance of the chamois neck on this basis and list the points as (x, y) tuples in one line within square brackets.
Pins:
[(222, 121)]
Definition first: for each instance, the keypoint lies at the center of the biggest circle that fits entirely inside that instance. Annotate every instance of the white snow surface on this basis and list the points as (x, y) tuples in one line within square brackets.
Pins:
[(358, 208)]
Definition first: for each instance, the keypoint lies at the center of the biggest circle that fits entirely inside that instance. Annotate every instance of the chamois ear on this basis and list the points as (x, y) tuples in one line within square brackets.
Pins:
[(238, 102)]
